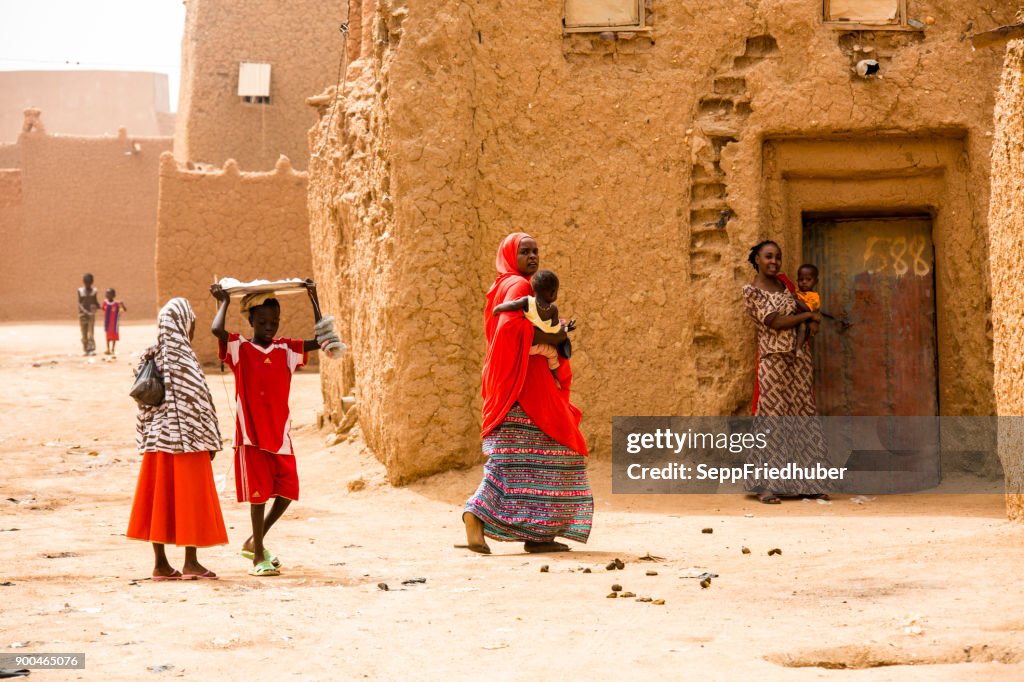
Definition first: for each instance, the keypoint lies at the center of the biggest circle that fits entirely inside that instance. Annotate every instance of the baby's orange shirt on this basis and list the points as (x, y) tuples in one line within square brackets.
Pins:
[(810, 298)]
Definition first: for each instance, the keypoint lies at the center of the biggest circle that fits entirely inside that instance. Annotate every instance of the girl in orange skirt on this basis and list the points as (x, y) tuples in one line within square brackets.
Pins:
[(176, 499)]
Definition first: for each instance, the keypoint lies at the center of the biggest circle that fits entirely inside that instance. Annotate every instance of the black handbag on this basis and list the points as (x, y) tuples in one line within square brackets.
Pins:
[(148, 388)]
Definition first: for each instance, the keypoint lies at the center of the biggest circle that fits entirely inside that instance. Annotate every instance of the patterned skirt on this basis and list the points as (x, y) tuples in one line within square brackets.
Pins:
[(787, 414), (534, 488)]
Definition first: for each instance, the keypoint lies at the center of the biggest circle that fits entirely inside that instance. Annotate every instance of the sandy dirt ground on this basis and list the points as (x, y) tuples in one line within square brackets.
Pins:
[(899, 588)]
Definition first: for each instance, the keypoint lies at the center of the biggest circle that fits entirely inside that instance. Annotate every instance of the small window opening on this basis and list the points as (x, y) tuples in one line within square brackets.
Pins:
[(867, 14), (583, 16), (254, 83)]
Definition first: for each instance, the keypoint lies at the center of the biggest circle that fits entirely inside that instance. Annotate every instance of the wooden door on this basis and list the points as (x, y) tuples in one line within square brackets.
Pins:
[(877, 275), (878, 357)]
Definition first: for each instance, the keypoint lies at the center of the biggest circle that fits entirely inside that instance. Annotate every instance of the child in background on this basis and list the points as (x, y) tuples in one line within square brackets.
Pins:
[(112, 310), (87, 307), (263, 368), (540, 310), (806, 281)]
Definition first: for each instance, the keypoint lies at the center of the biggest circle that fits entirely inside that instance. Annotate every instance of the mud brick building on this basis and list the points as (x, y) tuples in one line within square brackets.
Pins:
[(1006, 226), (235, 203), (648, 146), (70, 205)]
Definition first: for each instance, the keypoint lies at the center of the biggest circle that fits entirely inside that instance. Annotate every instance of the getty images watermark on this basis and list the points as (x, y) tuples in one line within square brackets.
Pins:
[(668, 440), (854, 455)]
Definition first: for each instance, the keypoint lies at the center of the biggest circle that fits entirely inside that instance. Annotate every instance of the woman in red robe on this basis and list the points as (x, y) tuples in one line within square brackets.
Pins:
[(535, 485)]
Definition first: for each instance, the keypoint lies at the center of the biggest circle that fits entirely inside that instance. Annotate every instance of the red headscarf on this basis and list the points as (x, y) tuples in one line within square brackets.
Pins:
[(511, 374), (508, 276)]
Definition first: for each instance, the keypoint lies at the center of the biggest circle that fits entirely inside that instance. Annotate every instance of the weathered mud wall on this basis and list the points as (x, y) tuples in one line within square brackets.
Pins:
[(87, 204), (1006, 225), (87, 103), (9, 156), (231, 224), (11, 225), (623, 154), (300, 41)]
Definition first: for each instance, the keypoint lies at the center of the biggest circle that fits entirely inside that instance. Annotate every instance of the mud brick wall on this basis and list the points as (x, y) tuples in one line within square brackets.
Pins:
[(11, 225), (87, 103), (640, 162), (301, 42), (87, 204), (9, 156), (1006, 226), (228, 223)]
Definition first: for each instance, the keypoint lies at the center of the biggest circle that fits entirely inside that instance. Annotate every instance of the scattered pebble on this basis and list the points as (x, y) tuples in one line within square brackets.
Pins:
[(626, 595), (774, 551), (658, 602), (610, 566), (618, 563), (655, 572), (745, 550), (616, 588), (414, 581), (708, 531), (383, 587), (705, 584), (644, 599), (613, 595), (544, 569), (356, 484), (587, 570)]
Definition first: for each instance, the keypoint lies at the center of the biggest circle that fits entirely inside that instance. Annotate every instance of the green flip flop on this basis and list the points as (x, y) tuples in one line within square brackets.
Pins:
[(263, 569), (267, 556)]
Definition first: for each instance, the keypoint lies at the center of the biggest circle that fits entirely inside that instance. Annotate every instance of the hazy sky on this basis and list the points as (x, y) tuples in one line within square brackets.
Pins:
[(114, 35)]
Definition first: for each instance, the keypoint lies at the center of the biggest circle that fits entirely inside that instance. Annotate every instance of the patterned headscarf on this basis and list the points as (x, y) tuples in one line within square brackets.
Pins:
[(186, 421)]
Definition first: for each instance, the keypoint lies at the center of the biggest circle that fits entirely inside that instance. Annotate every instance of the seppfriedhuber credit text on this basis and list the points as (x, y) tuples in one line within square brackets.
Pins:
[(731, 474), (677, 441)]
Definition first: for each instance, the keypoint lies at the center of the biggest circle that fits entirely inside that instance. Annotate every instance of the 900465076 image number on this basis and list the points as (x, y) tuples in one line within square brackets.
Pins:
[(42, 661)]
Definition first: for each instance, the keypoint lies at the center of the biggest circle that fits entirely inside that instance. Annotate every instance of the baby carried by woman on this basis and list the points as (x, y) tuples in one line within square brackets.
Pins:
[(541, 311)]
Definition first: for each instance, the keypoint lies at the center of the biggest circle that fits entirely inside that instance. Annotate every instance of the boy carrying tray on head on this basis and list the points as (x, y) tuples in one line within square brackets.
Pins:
[(263, 368)]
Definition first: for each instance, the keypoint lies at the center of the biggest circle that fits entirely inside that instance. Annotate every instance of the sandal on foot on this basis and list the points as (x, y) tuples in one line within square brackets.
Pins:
[(208, 575), (540, 547), (267, 556), (173, 576), (263, 569), (769, 498), (479, 549)]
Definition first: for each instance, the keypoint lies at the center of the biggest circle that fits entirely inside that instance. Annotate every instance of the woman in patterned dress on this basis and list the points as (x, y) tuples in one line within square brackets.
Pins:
[(535, 485), (785, 381)]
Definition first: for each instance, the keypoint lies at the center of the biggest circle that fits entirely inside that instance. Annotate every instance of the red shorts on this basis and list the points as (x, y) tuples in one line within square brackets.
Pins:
[(260, 475)]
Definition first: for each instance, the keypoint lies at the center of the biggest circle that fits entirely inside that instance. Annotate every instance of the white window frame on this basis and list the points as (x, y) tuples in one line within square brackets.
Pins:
[(897, 24), (641, 24), (257, 84)]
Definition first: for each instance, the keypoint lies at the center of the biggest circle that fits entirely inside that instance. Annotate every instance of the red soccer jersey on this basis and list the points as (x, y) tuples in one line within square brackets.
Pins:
[(263, 380)]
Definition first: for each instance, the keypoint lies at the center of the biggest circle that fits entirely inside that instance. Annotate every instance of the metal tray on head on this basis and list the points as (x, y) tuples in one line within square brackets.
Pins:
[(260, 286)]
